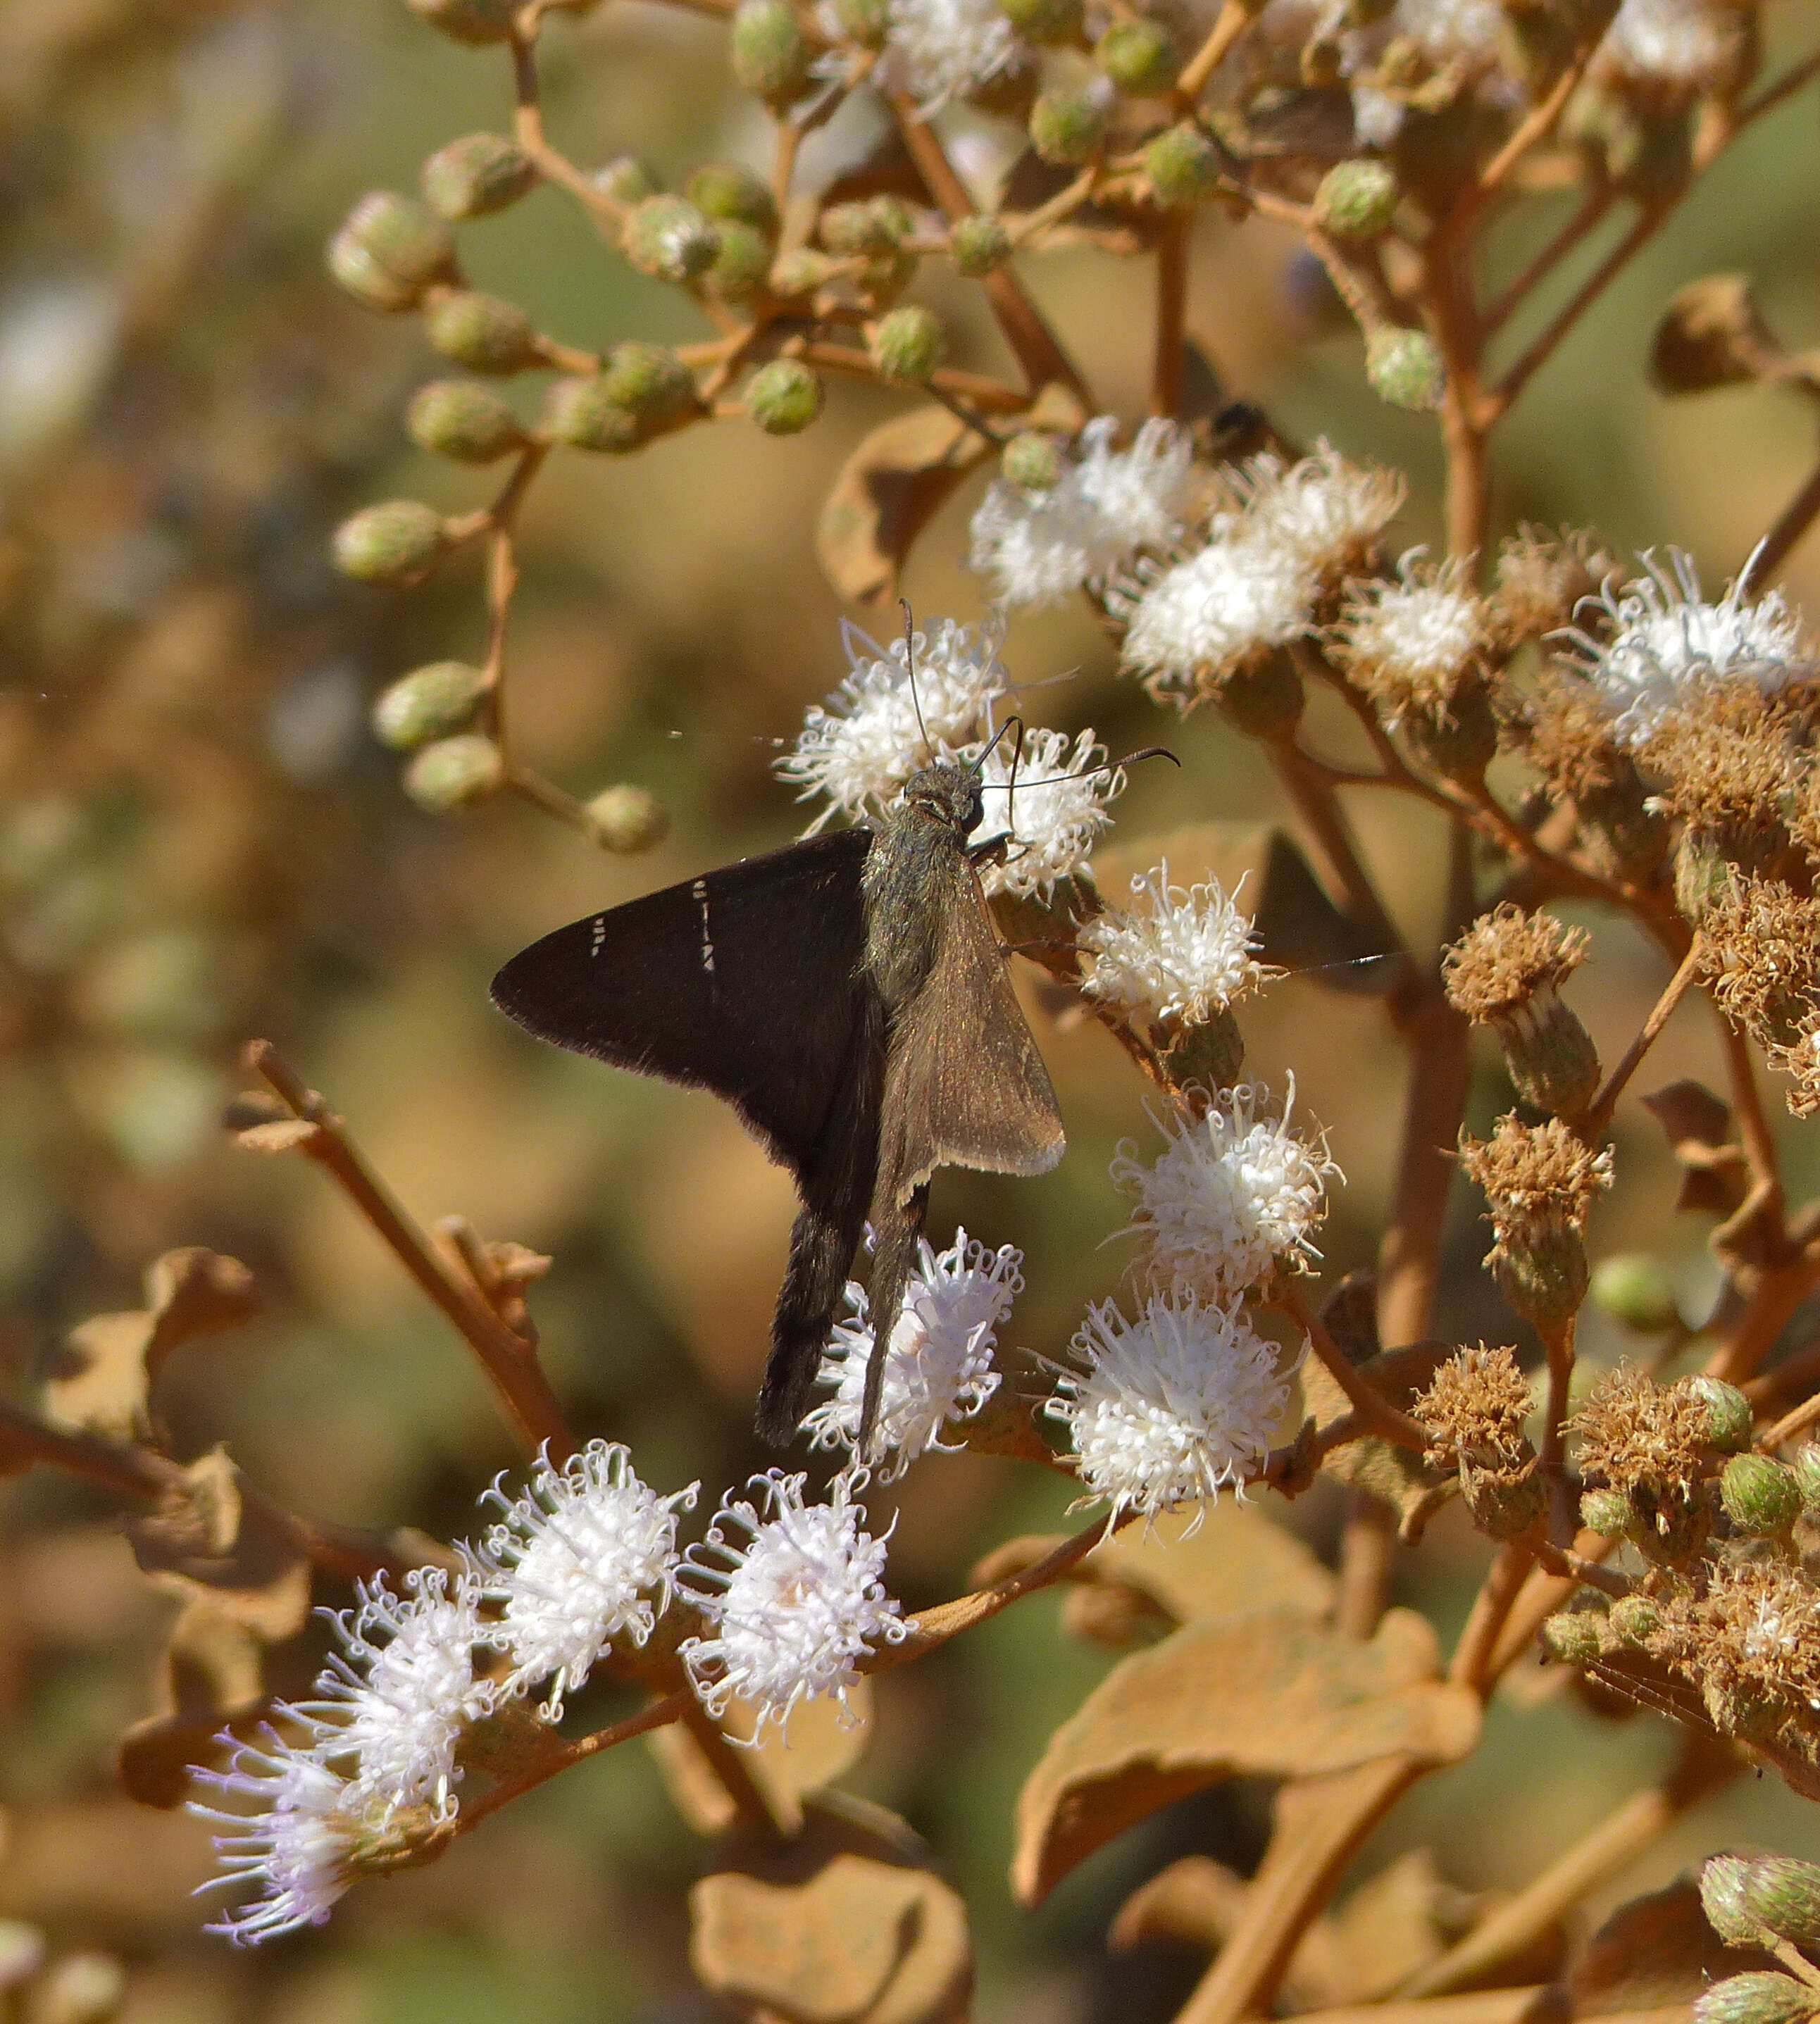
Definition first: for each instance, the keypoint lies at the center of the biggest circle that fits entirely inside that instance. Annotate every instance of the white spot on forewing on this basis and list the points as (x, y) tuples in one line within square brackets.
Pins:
[(699, 889), (599, 935)]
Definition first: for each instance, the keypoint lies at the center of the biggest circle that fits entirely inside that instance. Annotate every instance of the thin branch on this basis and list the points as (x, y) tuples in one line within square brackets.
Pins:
[(1792, 523), (1496, 315), (1753, 1125), (1785, 1430), (1371, 1406), (993, 396), (1173, 243), (563, 1755), (1599, 1116), (1471, 1664), (508, 1360), (1228, 25)]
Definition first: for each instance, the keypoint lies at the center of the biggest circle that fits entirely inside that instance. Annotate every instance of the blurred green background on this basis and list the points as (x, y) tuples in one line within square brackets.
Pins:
[(199, 840)]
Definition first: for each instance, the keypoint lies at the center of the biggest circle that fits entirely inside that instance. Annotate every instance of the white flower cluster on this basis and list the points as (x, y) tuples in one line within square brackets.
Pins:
[(931, 698), (939, 50), (1166, 1410), (1269, 560), (1108, 507), (1672, 50), (1175, 953), (1665, 642), (940, 1367), (793, 1606), (584, 1555)]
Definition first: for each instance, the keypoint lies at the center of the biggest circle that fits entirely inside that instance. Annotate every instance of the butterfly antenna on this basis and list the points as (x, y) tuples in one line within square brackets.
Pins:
[(1110, 766), (910, 669)]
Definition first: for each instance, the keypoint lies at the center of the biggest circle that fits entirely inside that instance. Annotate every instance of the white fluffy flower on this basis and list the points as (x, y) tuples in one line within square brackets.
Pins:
[(1666, 641), (1410, 643), (1450, 30), (799, 1602), (1053, 810), (940, 49), (402, 1688), (1234, 1194), (1327, 510), (291, 1834), (868, 739), (1175, 953), (1164, 1410), (1108, 505), (1191, 626), (940, 1368), (1678, 48), (583, 1555)]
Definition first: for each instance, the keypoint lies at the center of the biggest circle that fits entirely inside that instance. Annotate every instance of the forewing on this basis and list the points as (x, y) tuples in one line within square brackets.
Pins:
[(746, 981), (964, 1085)]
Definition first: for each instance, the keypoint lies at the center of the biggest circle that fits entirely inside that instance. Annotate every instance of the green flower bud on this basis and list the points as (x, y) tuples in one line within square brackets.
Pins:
[(783, 397), (1759, 1495), (1263, 700), (666, 236), (865, 22), (1729, 1418), (1634, 1619), (1807, 1467), (1783, 1895), (724, 189), (1182, 165), (1549, 1052), (457, 418), (1545, 1280), (1043, 20), (1210, 1055), (455, 773), (472, 21), (1138, 57), (391, 249), (979, 245), (429, 702), (485, 333), (880, 225), (770, 51), (1762, 1998), (1722, 1879), (1404, 368), (742, 265), (907, 345), (579, 413), (628, 819), (652, 382), (800, 272), (1576, 1637), (1634, 1288), (626, 180), (1502, 1506), (1066, 127), (1033, 461), (400, 541), (1607, 1511), (1356, 200), (477, 173)]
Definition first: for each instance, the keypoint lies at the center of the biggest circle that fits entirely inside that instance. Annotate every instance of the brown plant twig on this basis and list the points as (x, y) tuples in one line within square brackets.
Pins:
[(1368, 1564), (1599, 1113), (1472, 1662), (1229, 25), (1555, 1893), (1537, 2002), (992, 396), (507, 1359), (1586, 217), (1173, 244), (1373, 1410), (1754, 1133), (1804, 1416), (671, 1707), (1792, 523)]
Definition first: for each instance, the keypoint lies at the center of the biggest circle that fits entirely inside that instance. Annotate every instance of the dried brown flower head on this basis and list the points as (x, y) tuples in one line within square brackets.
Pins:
[(1635, 1434), (1760, 954), (1538, 1178), (1562, 728), (1411, 645), (1477, 1404), (1751, 1643), (1541, 578), (1505, 958), (1723, 761), (1801, 1060)]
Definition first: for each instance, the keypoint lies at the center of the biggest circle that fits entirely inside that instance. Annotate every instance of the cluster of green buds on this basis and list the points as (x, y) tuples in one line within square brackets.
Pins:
[(1771, 1902)]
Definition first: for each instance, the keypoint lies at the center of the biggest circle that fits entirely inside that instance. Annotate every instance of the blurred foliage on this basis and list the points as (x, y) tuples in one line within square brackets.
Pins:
[(200, 839)]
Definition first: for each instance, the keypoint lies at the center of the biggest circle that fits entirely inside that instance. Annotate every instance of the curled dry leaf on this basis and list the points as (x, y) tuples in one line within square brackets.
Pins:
[(1266, 1696), (216, 1540), (841, 1925), (1715, 1176), (889, 489), (807, 1754), (109, 1365), (210, 1675), (1396, 1476), (1654, 1953)]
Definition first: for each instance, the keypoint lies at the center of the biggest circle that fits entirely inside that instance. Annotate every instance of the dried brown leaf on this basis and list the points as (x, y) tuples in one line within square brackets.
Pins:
[(1653, 1953), (887, 492), (1263, 1696), (1715, 1175), (1395, 1476), (841, 1925), (210, 1675), (815, 1750), (216, 1539), (1195, 1902)]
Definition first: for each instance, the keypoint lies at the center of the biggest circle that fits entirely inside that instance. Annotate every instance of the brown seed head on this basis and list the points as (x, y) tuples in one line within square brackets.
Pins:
[(1760, 954), (1541, 578), (1562, 729), (1723, 761), (1751, 1641), (1476, 1404), (1538, 1178), (1505, 958), (1635, 1434)]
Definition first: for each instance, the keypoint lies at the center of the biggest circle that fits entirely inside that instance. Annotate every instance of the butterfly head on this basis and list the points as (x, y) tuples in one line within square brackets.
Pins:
[(947, 793)]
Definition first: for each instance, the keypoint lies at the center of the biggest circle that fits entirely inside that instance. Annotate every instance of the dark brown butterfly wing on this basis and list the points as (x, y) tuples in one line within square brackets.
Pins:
[(746, 981)]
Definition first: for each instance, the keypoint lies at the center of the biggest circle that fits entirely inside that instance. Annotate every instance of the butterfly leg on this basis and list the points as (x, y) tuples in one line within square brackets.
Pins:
[(897, 1230)]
